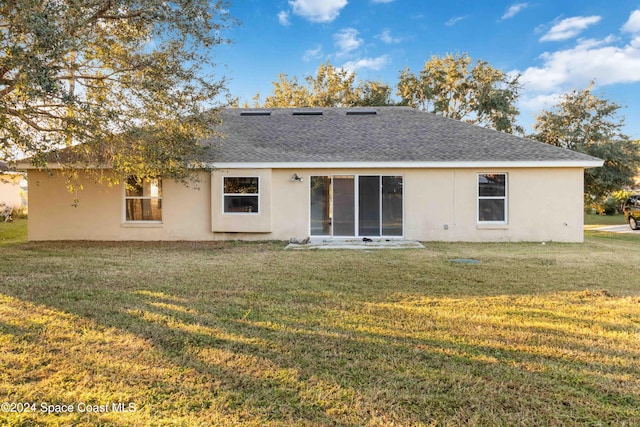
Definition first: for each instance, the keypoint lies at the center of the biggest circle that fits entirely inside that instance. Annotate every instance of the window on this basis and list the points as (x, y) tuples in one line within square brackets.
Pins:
[(143, 199), (241, 195), (492, 198)]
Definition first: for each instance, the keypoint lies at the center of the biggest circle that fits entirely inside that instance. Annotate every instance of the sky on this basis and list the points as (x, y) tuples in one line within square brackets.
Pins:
[(555, 45)]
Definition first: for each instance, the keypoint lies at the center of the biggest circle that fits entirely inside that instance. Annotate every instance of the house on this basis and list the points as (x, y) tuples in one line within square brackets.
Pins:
[(13, 189), (384, 172)]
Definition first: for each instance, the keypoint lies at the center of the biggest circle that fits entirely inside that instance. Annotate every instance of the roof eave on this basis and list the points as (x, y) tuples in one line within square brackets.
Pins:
[(56, 166), (410, 164), (368, 165)]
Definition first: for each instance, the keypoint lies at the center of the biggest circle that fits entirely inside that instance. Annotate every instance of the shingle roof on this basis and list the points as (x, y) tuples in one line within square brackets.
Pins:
[(392, 134)]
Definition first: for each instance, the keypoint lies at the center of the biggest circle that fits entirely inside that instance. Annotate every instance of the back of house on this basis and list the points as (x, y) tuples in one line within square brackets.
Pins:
[(333, 173)]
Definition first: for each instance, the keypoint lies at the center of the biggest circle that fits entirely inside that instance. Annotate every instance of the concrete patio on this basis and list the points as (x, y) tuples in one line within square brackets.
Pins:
[(356, 244)]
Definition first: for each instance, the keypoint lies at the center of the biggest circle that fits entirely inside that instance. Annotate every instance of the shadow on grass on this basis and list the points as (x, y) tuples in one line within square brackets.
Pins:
[(243, 337)]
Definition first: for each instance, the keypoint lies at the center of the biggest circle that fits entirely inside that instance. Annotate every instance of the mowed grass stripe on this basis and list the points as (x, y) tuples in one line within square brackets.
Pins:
[(248, 334)]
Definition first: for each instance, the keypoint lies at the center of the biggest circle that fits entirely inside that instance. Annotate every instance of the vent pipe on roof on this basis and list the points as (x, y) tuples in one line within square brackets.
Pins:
[(361, 112), (255, 113), (306, 113)]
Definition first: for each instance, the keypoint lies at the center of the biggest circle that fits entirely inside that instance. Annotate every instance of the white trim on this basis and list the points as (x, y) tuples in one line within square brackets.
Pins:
[(141, 224), (484, 224), (409, 165), (356, 207), (138, 223), (241, 195), (378, 165)]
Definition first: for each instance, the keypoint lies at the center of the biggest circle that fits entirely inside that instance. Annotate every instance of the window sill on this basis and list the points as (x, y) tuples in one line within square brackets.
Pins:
[(141, 224), (240, 213), (492, 226)]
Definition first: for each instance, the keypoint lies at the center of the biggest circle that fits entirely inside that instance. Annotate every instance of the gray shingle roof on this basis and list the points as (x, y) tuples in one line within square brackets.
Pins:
[(393, 134)]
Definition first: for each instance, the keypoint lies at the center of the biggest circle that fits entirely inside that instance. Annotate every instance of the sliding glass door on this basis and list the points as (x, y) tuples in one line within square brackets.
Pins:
[(369, 206), (356, 206), (321, 201), (392, 206), (344, 219)]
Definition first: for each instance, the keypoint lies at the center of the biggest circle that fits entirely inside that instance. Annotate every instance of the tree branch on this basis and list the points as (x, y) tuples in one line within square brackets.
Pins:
[(35, 125), (130, 15), (10, 87)]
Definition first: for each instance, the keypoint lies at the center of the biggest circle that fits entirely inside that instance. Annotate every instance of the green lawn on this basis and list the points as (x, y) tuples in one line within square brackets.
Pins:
[(13, 232), (595, 219), (249, 334)]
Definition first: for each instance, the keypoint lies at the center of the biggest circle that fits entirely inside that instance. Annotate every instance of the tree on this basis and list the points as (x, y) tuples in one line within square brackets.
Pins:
[(374, 94), (583, 122), (330, 87), (451, 87), (120, 83)]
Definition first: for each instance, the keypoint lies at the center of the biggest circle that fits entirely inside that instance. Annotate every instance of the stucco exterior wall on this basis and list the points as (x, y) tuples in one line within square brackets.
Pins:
[(99, 212), (259, 222), (439, 205)]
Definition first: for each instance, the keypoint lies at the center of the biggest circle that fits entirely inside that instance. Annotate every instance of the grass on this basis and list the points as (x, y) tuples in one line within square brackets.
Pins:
[(595, 219), (248, 334), (13, 232)]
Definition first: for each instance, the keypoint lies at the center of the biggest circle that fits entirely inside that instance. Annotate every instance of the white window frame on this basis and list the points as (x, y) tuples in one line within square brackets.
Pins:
[(242, 195), (356, 196), (125, 198), (505, 198)]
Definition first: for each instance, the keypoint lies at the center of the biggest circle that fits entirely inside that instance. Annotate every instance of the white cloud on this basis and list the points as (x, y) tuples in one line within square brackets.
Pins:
[(283, 18), (570, 27), (607, 61), (539, 102), (454, 21), (318, 10), (386, 37), (371, 63), (347, 41), (310, 54), (589, 60), (633, 24), (514, 10)]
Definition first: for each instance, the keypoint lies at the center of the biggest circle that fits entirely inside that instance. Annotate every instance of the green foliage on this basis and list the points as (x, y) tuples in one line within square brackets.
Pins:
[(123, 82), (330, 87), (373, 94), (610, 206), (450, 86), (621, 196), (586, 123), (614, 203), (621, 161)]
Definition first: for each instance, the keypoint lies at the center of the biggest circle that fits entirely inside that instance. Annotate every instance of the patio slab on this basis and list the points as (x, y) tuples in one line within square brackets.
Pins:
[(357, 244)]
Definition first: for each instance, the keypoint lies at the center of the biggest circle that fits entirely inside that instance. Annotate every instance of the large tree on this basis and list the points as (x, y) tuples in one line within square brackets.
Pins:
[(451, 86), (330, 87), (126, 84), (583, 122)]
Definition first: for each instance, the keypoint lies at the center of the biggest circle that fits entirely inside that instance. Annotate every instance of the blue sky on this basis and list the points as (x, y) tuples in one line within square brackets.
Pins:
[(556, 45)]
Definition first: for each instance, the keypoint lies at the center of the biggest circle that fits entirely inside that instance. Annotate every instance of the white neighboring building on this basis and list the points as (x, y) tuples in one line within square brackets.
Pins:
[(13, 188)]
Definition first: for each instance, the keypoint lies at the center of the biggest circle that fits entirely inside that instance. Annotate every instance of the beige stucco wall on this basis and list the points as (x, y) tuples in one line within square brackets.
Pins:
[(99, 211), (242, 222), (439, 205), (543, 204)]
